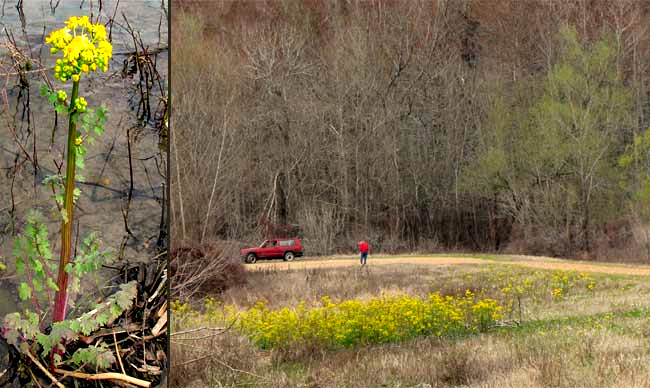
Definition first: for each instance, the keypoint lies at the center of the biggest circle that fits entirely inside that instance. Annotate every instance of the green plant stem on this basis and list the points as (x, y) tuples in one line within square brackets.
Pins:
[(61, 302)]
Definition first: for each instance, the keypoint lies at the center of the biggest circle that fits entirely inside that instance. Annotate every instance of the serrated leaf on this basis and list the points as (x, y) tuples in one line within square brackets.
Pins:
[(116, 311), (105, 359), (37, 266), (52, 285), (11, 319), (75, 284), (87, 326), (60, 108), (62, 331), (32, 319), (52, 98), (75, 326), (75, 194), (103, 318), (95, 356), (44, 90), (29, 229), (24, 292), (80, 163), (45, 343)]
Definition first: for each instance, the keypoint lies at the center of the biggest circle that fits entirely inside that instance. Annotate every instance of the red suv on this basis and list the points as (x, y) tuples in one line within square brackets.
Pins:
[(286, 248)]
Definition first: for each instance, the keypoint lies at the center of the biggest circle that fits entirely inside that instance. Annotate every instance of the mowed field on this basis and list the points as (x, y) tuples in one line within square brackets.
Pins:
[(419, 321)]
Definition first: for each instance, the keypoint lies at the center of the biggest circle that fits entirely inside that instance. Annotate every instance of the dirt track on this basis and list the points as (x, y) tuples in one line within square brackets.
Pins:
[(533, 262)]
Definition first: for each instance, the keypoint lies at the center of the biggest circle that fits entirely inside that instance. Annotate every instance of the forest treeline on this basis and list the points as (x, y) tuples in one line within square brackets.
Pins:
[(491, 125)]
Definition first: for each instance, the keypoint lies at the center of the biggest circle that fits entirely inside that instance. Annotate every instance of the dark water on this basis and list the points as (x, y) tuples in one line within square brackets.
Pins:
[(108, 171)]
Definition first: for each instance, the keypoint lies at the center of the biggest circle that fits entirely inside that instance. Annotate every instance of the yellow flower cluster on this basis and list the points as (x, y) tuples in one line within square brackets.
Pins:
[(61, 95), (84, 45), (80, 104), (511, 285), (389, 318)]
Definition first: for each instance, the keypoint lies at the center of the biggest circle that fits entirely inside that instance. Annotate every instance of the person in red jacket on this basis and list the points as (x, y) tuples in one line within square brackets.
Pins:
[(363, 249)]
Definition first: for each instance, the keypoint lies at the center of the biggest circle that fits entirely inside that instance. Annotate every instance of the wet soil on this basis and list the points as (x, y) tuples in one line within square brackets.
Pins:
[(123, 192)]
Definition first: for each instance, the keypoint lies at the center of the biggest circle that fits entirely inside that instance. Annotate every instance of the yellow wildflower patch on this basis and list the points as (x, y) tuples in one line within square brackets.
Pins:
[(389, 318)]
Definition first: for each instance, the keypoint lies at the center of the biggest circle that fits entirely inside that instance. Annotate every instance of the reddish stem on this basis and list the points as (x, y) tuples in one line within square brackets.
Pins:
[(61, 301)]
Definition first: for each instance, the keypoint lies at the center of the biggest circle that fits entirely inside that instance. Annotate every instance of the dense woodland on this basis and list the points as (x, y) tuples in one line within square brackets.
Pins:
[(484, 125)]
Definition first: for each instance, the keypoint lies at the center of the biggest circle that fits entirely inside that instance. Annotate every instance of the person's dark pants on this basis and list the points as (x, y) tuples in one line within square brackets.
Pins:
[(364, 257)]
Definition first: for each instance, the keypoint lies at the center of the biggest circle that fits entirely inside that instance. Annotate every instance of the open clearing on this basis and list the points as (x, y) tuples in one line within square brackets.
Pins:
[(527, 261), (560, 323)]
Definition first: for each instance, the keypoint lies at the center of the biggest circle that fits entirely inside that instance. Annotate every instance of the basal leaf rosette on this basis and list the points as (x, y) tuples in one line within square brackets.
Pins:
[(84, 46)]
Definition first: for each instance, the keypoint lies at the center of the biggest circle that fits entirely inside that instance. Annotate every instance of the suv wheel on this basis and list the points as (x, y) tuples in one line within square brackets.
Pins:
[(251, 258), (289, 256)]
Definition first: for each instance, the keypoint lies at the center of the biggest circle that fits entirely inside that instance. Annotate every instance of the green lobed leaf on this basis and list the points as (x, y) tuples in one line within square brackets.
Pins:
[(103, 318), (44, 90), (24, 292), (52, 285), (99, 357)]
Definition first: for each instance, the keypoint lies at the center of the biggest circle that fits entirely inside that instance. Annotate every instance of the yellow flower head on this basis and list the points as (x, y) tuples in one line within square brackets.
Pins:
[(80, 104), (84, 46), (61, 95)]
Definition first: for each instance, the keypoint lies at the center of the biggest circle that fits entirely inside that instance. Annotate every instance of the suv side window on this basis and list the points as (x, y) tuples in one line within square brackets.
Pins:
[(286, 243)]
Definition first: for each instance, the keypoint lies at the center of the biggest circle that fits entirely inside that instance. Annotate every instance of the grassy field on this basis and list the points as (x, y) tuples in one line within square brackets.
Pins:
[(550, 328)]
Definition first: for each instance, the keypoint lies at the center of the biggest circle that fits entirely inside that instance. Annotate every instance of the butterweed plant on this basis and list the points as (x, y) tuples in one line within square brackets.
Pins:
[(349, 323), (84, 48)]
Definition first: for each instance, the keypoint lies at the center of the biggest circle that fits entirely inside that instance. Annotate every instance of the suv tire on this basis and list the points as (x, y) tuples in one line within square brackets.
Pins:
[(289, 256), (251, 258)]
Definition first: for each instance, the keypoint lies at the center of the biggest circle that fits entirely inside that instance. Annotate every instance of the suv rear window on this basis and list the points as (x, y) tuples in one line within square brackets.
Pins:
[(286, 243)]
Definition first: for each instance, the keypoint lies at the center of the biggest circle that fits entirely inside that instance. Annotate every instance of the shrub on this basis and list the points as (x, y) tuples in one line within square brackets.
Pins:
[(201, 269)]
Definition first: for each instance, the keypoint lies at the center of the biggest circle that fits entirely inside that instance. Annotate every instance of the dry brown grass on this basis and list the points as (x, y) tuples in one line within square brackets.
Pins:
[(583, 350), (582, 359), (287, 288)]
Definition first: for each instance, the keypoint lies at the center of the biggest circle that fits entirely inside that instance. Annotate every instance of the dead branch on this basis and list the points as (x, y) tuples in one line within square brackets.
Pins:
[(104, 376)]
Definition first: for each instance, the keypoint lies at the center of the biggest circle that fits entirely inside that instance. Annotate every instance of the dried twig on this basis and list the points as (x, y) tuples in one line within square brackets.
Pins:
[(155, 331), (117, 351), (34, 379), (47, 373), (216, 330), (211, 356), (104, 376), (148, 337)]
